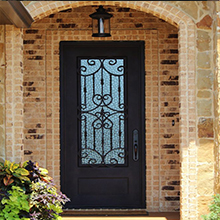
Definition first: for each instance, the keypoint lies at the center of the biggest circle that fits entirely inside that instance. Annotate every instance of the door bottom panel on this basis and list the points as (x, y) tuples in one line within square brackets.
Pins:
[(107, 186)]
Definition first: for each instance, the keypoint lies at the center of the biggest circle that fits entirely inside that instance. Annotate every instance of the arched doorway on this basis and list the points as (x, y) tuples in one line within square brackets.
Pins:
[(182, 81)]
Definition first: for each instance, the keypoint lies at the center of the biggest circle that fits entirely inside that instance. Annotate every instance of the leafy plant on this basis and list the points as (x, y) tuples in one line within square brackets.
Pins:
[(36, 173), (3, 194), (13, 174), (14, 185), (28, 192), (16, 205), (45, 202), (214, 209)]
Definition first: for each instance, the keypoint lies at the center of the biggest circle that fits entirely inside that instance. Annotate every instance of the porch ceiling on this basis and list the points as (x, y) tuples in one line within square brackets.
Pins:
[(14, 12)]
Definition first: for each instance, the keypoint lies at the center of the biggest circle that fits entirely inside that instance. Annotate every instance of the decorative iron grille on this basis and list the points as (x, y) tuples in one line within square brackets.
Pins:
[(102, 111)]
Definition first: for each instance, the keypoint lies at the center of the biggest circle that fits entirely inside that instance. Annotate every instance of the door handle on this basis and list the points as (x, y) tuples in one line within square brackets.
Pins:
[(135, 145)]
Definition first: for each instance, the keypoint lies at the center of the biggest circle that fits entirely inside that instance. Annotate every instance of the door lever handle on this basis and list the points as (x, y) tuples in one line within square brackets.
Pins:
[(135, 146)]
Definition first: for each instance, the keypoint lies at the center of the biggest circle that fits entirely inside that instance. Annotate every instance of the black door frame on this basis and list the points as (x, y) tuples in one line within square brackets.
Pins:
[(62, 95)]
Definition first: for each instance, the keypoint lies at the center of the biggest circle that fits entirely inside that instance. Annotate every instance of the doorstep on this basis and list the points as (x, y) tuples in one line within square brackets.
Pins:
[(151, 216)]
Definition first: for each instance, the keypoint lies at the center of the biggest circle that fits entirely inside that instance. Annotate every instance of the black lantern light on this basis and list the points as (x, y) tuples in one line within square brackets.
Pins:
[(101, 23)]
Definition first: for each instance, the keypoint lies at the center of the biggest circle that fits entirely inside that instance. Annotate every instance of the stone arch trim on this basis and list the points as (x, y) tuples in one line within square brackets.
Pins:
[(187, 76)]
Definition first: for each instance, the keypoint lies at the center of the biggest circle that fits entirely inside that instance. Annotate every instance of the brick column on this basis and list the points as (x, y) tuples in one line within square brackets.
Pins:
[(2, 92), (14, 93)]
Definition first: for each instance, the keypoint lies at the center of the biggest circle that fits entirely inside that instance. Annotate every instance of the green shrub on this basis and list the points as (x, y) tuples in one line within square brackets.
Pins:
[(214, 209), (15, 206), (27, 192)]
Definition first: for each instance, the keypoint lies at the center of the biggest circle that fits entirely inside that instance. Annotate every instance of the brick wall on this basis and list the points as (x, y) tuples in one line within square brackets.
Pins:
[(41, 92)]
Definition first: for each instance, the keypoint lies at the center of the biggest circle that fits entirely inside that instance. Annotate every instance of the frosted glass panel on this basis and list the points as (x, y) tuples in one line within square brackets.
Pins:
[(102, 111)]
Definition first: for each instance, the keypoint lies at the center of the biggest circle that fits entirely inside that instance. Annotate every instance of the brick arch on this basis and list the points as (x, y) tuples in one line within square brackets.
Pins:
[(163, 10), (187, 76)]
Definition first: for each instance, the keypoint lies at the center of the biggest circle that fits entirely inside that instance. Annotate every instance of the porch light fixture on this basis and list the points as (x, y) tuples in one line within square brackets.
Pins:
[(101, 23)]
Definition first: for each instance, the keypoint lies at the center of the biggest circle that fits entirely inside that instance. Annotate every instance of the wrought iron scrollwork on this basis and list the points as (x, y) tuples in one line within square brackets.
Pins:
[(102, 111)]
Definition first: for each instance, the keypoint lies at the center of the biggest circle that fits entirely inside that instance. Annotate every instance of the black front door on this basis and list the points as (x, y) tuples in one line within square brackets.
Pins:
[(102, 124)]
